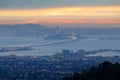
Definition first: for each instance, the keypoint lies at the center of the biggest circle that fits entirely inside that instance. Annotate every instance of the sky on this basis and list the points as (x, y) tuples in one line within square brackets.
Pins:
[(58, 12)]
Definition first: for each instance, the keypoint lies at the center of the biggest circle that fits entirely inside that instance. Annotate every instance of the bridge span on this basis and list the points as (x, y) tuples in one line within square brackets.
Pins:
[(31, 47), (50, 43)]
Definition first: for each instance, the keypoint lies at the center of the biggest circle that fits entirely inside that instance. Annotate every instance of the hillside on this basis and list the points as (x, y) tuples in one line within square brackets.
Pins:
[(105, 71)]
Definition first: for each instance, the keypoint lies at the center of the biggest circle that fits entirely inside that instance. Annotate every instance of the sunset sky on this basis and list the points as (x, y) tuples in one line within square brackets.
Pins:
[(60, 11)]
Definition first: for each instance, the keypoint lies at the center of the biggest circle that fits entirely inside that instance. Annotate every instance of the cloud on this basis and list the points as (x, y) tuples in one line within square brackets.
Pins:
[(97, 15), (66, 12)]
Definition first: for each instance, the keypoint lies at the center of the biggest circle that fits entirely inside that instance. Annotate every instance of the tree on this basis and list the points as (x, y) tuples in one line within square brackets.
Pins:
[(105, 71)]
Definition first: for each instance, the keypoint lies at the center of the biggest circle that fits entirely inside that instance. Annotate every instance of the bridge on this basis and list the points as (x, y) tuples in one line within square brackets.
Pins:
[(50, 43), (30, 47)]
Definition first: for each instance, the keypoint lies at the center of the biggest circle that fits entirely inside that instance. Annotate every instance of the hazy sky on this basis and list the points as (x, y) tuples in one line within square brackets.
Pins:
[(60, 11), (22, 4)]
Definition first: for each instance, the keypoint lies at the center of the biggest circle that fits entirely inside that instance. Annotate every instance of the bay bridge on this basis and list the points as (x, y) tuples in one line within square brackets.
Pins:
[(30, 47)]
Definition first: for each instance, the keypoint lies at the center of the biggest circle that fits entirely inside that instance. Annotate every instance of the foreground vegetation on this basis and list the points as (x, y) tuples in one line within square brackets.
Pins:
[(105, 71)]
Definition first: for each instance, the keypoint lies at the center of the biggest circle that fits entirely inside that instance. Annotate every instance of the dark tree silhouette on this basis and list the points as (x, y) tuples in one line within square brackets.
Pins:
[(105, 71)]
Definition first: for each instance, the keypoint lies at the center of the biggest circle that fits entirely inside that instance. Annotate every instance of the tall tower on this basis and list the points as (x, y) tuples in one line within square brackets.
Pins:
[(57, 30), (73, 34)]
